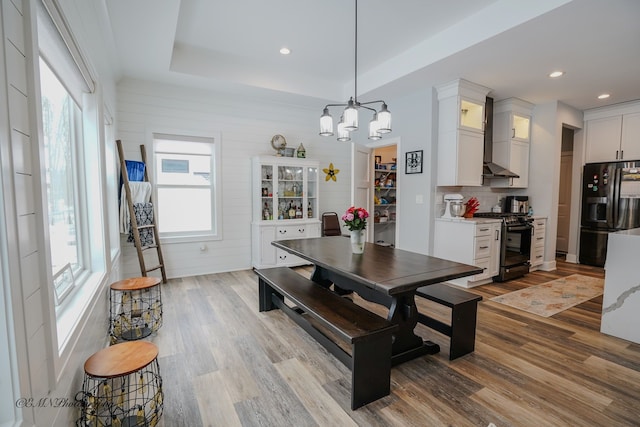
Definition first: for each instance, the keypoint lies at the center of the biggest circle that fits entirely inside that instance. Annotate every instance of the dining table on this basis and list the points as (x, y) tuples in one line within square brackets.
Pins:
[(383, 275)]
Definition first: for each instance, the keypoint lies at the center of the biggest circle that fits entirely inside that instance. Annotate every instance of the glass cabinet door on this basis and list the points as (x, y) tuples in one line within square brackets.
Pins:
[(290, 192), (312, 188), (521, 127), (471, 114), (266, 174)]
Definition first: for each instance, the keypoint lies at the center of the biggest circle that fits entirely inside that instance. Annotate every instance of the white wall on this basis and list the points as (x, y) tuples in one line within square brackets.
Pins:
[(245, 127), (413, 116), (544, 168)]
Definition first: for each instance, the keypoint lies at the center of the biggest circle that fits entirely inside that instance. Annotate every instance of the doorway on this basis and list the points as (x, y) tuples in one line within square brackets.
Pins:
[(385, 195), (564, 193)]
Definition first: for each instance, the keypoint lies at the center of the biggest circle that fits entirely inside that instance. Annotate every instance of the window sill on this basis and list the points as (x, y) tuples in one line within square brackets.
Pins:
[(71, 315), (167, 240)]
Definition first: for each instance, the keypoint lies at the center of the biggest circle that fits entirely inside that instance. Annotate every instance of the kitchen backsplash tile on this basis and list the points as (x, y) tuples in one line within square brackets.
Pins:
[(487, 196)]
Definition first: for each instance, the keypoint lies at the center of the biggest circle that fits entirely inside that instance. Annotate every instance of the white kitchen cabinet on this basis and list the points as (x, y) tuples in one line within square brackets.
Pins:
[(469, 241), (461, 133), (630, 140), (285, 206), (613, 138), (537, 243), (511, 140)]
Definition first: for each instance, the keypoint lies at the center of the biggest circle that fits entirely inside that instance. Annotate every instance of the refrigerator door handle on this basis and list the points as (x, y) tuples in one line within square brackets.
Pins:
[(614, 198)]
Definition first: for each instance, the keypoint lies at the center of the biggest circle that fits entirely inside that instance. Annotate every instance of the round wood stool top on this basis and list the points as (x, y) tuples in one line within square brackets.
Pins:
[(121, 359), (135, 283)]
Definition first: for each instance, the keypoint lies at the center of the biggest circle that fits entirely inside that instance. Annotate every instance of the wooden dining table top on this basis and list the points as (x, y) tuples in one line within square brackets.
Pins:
[(385, 269)]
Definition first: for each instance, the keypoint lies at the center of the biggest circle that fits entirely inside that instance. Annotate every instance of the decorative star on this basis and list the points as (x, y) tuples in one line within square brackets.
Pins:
[(331, 172)]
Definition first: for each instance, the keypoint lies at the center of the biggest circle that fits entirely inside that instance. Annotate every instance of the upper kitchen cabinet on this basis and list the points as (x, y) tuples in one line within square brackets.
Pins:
[(613, 133), (461, 133), (512, 120), (511, 138)]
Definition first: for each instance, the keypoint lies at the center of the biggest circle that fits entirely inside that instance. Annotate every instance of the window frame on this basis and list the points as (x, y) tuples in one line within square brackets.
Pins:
[(207, 137), (79, 273)]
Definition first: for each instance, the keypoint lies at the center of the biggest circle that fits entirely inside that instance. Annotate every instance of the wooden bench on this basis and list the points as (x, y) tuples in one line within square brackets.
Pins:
[(464, 309), (368, 335)]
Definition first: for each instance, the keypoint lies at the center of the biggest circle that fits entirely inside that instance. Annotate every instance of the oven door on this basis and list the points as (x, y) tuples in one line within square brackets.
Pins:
[(516, 245)]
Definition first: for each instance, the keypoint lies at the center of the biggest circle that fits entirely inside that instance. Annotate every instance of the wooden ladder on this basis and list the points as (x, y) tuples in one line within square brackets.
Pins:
[(134, 223)]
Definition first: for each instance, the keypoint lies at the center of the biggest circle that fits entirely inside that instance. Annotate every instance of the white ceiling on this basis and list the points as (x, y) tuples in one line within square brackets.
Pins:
[(507, 45)]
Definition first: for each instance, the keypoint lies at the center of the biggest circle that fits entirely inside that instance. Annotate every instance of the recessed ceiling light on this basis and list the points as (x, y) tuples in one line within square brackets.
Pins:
[(285, 51), (604, 96), (555, 74)]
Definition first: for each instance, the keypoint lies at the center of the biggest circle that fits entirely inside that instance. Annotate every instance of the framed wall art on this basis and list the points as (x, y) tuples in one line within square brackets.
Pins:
[(413, 162)]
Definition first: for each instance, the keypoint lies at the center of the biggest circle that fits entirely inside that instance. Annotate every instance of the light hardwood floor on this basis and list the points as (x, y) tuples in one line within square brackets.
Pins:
[(225, 364)]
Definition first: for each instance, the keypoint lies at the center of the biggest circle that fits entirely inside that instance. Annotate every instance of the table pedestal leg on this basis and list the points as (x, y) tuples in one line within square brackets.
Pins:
[(402, 311), (406, 344)]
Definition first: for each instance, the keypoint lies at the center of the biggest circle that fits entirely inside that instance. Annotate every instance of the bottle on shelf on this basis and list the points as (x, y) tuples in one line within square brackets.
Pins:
[(309, 211), (298, 211), (292, 211), (266, 213)]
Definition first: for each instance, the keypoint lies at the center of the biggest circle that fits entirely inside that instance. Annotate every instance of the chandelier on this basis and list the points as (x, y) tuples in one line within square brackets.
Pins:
[(379, 124)]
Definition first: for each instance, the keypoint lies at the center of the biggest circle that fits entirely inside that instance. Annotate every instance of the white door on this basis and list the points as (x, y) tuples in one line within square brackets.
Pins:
[(361, 179)]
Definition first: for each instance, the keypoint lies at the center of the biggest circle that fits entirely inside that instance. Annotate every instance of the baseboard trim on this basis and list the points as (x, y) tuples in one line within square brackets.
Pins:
[(572, 258)]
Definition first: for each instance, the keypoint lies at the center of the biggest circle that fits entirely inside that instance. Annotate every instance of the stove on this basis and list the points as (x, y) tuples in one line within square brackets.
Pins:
[(515, 243), (507, 217)]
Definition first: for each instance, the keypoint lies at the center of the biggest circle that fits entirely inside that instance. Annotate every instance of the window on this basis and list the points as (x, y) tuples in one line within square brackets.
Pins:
[(71, 183), (186, 170), (61, 124)]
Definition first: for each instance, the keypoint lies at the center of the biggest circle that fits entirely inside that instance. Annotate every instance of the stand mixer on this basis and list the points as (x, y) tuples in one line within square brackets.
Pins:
[(455, 201)]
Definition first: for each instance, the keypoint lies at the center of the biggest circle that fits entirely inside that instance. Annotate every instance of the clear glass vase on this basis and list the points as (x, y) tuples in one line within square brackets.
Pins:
[(357, 241)]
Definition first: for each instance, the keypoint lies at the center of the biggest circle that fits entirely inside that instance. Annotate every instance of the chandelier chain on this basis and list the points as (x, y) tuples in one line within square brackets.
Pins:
[(355, 77)]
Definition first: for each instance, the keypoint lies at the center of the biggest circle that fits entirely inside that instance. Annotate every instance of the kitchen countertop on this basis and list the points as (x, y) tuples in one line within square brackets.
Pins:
[(470, 220)]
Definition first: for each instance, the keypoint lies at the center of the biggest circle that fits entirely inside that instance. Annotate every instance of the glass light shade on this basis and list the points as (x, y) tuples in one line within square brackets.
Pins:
[(373, 128), (384, 120), (350, 116), (326, 123), (343, 134)]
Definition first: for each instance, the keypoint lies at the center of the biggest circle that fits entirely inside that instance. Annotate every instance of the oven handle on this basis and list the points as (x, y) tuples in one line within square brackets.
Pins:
[(519, 228)]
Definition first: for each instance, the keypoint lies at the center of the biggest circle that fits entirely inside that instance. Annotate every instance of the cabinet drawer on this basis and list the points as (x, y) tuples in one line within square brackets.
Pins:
[(539, 227), (482, 263), (482, 247), (537, 240), (537, 255), (284, 258), (291, 231), (483, 230)]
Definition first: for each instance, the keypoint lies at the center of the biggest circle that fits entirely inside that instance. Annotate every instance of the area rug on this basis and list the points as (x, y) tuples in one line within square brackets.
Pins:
[(555, 296)]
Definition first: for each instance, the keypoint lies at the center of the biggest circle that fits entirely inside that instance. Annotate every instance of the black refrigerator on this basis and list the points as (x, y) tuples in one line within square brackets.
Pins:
[(610, 202)]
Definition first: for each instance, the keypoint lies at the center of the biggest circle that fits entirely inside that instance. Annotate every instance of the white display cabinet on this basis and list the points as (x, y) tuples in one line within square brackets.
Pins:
[(285, 206)]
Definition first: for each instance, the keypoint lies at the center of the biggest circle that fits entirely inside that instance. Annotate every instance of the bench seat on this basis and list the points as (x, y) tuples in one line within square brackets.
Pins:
[(464, 309), (368, 335)]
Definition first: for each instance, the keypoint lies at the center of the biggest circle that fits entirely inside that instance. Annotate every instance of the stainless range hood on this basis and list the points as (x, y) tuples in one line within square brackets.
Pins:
[(490, 169)]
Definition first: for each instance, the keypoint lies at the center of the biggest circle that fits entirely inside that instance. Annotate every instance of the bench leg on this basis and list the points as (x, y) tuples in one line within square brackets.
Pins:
[(370, 370), (265, 293), (463, 329)]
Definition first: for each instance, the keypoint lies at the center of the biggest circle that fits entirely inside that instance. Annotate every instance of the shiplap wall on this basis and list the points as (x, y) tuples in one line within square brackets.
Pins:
[(27, 296), (35, 369), (244, 127)]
